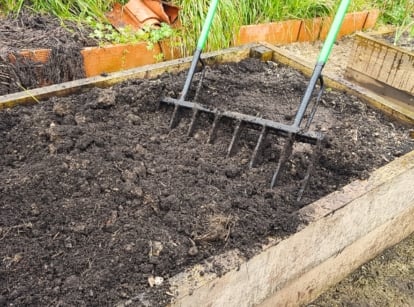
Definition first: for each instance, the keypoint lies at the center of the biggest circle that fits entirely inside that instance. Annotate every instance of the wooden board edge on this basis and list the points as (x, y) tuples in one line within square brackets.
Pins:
[(339, 199), (276, 275), (370, 38), (382, 89), (147, 71), (405, 115), (312, 284)]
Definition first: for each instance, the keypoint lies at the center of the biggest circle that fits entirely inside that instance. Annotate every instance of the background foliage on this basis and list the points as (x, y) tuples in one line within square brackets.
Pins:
[(231, 14)]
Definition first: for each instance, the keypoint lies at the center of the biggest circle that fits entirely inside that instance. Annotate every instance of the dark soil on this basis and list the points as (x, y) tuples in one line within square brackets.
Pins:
[(35, 31), (98, 196)]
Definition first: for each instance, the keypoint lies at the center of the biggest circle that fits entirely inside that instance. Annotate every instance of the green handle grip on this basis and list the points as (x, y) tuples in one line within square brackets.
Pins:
[(207, 24), (333, 31)]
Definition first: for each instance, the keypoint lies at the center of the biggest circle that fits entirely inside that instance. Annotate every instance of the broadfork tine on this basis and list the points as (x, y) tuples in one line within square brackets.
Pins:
[(258, 147), (200, 82), (284, 156), (175, 117), (316, 104), (236, 134), (311, 166), (213, 130), (192, 124)]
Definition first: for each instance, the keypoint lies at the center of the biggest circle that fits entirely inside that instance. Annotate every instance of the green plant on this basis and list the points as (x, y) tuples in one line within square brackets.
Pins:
[(155, 35), (159, 57), (232, 14), (11, 6), (394, 12), (406, 27), (399, 13), (75, 10), (105, 33)]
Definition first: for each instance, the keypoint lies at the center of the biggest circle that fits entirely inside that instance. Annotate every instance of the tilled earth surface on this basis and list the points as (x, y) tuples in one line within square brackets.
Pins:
[(37, 31), (99, 200)]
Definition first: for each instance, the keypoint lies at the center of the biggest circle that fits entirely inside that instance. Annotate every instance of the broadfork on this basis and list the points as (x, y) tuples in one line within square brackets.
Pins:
[(293, 132)]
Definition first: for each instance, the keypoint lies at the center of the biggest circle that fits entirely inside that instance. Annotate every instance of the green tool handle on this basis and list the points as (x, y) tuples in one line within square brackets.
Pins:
[(323, 57), (333, 31), (207, 24), (200, 46)]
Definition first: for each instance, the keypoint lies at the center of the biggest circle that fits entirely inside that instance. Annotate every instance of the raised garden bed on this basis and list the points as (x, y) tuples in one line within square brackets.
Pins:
[(99, 199), (35, 51), (384, 68)]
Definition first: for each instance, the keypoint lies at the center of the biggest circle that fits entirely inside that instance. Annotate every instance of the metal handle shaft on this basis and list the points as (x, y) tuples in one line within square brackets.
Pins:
[(333, 31), (200, 45), (323, 57), (207, 24)]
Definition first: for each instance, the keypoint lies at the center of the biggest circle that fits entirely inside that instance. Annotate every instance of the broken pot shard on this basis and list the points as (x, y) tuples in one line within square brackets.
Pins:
[(138, 13)]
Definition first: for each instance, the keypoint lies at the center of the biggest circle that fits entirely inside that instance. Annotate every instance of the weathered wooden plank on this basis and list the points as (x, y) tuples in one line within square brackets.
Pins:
[(383, 62), (147, 71), (379, 87), (396, 109), (310, 285)]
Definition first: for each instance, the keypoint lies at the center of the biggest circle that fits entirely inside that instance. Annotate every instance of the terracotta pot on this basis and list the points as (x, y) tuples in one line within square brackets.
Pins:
[(137, 13), (120, 18), (275, 32)]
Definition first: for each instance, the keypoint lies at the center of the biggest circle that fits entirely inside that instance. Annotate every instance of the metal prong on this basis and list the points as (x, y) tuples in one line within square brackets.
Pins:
[(200, 82), (192, 124), (213, 130), (316, 104), (309, 170), (175, 118), (236, 134), (284, 156), (258, 147)]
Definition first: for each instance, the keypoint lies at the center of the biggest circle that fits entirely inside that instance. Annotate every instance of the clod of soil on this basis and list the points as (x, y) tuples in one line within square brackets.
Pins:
[(101, 203)]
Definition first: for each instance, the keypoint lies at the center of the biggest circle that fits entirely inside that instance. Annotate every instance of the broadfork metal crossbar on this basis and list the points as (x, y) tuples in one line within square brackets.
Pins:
[(265, 126), (292, 132)]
